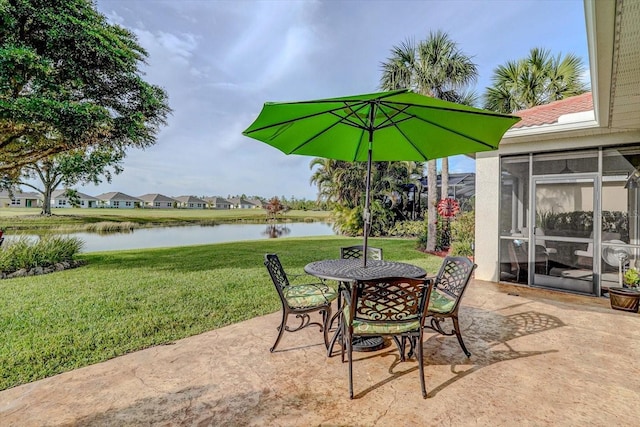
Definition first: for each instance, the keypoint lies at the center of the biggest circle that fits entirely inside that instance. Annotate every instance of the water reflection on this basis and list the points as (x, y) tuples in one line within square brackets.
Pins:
[(194, 235), (274, 231)]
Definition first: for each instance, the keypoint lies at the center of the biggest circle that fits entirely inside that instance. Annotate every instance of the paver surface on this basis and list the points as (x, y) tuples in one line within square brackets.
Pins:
[(539, 358)]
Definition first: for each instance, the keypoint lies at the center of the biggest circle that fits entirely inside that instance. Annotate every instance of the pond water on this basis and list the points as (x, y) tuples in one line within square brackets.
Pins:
[(196, 235)]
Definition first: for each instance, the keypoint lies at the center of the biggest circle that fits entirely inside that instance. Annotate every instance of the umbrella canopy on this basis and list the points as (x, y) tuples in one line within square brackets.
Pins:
[(384, 126)]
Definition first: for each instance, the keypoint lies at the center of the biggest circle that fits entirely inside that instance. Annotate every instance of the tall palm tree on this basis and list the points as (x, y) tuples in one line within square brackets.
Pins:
[(435, 67), (537, 79)]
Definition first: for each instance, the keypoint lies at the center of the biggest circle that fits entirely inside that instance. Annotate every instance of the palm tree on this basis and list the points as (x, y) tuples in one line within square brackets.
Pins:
[(536, 80), (344, 183), (437, 68), (338, 181)]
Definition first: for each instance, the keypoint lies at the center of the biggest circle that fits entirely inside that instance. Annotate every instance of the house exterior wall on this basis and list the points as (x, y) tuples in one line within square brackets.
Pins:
[(487, 207), (19, 202), (159, 205), (119, 204)]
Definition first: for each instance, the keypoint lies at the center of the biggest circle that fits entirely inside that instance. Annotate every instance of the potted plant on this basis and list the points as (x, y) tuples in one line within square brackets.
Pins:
[(631, 278), (627, 298)]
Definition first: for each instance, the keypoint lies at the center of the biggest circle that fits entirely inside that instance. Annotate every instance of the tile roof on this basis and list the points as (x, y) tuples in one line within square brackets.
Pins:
[(550, 113)]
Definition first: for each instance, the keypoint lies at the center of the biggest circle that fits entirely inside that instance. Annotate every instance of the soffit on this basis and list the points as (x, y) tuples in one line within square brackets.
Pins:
[(624, 110)]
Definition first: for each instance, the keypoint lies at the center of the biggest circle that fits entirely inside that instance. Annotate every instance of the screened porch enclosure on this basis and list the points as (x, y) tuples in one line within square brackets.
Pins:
[(569, 220)]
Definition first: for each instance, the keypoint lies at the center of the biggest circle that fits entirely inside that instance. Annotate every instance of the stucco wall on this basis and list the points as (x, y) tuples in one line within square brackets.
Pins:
[(487, 208)]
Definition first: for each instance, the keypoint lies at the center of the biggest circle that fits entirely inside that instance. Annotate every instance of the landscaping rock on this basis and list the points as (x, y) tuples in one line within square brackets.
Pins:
[(60, 266)]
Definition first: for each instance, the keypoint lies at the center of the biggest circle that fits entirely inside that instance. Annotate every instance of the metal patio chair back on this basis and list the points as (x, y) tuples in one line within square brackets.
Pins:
[(448, 288), (299, 299), (356, 252), (393, 307)]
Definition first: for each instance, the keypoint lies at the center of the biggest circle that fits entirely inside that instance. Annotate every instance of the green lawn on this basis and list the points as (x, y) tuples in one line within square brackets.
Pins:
[(30, 218), (129, 300)]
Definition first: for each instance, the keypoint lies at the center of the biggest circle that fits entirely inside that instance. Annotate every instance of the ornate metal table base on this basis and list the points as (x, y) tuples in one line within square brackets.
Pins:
[(367, 343)]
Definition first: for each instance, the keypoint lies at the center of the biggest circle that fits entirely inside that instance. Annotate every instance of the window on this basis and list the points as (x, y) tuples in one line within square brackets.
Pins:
[(128, 204), (157, 204), (116, 203), (15, 201)]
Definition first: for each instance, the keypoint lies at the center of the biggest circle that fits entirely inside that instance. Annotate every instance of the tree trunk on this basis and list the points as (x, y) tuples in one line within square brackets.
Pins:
[(46, 196), (432, 192), (46, 203), (444, 192)]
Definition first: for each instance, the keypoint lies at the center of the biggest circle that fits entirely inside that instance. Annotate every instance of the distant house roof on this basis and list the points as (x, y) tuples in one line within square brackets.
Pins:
[(217, 200), (454, 179), (155, 197), (114, 195), (189, 199), (551, 113), (256, 202), (239, 201), (20, 194), (60, 193)]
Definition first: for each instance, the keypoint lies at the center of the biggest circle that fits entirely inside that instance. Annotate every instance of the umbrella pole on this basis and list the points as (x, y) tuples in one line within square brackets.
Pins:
[(367, 214)]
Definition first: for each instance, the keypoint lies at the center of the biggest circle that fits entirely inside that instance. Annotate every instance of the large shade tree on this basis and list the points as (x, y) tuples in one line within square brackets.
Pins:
[(70, 80), (70, 168), (435, 67), (537, 79)]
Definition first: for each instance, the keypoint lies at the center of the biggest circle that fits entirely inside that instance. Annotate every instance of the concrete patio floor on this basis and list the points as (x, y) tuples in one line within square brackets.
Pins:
[(538, 358)]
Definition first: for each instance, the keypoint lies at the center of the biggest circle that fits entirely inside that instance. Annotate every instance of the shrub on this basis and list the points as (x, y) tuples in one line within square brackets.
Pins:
[(29, 253), (463, 234), (407, 229), (349, 221)]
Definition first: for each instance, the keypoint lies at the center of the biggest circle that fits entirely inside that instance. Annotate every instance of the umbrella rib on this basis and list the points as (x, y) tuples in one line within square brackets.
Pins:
[(295, 119), (436, 124), (343, 119)]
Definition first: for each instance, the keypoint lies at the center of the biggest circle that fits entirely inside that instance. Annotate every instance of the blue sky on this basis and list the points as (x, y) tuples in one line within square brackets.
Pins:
[(220, 61)]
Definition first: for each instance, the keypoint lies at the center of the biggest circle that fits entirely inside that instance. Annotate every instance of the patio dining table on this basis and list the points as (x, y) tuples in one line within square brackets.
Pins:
[(348, 270)]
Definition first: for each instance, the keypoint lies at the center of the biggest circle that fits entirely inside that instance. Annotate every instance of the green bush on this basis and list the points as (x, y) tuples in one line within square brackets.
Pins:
[(27, 253), (462, 249), (349, 221), (408, 229), (463, 230)]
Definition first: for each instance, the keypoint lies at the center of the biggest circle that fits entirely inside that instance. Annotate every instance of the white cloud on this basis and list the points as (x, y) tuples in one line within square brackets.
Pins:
[(221, 60)]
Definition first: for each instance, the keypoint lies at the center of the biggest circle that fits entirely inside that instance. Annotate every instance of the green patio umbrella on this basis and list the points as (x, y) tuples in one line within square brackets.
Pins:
[(384, 126)]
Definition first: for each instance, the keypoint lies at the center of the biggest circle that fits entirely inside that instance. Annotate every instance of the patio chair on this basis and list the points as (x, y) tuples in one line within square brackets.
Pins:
[(448, 288), (300, 300), (350, 252), (356, 252), (393, 307)]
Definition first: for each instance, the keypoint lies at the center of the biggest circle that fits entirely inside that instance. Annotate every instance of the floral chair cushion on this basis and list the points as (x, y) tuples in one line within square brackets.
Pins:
[(391, 328), (440, 302), (311, 295)]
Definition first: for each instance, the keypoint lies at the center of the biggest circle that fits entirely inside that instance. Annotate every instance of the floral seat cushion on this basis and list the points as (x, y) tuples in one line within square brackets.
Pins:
[(310, 295), (364, 327), (440, 302)]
